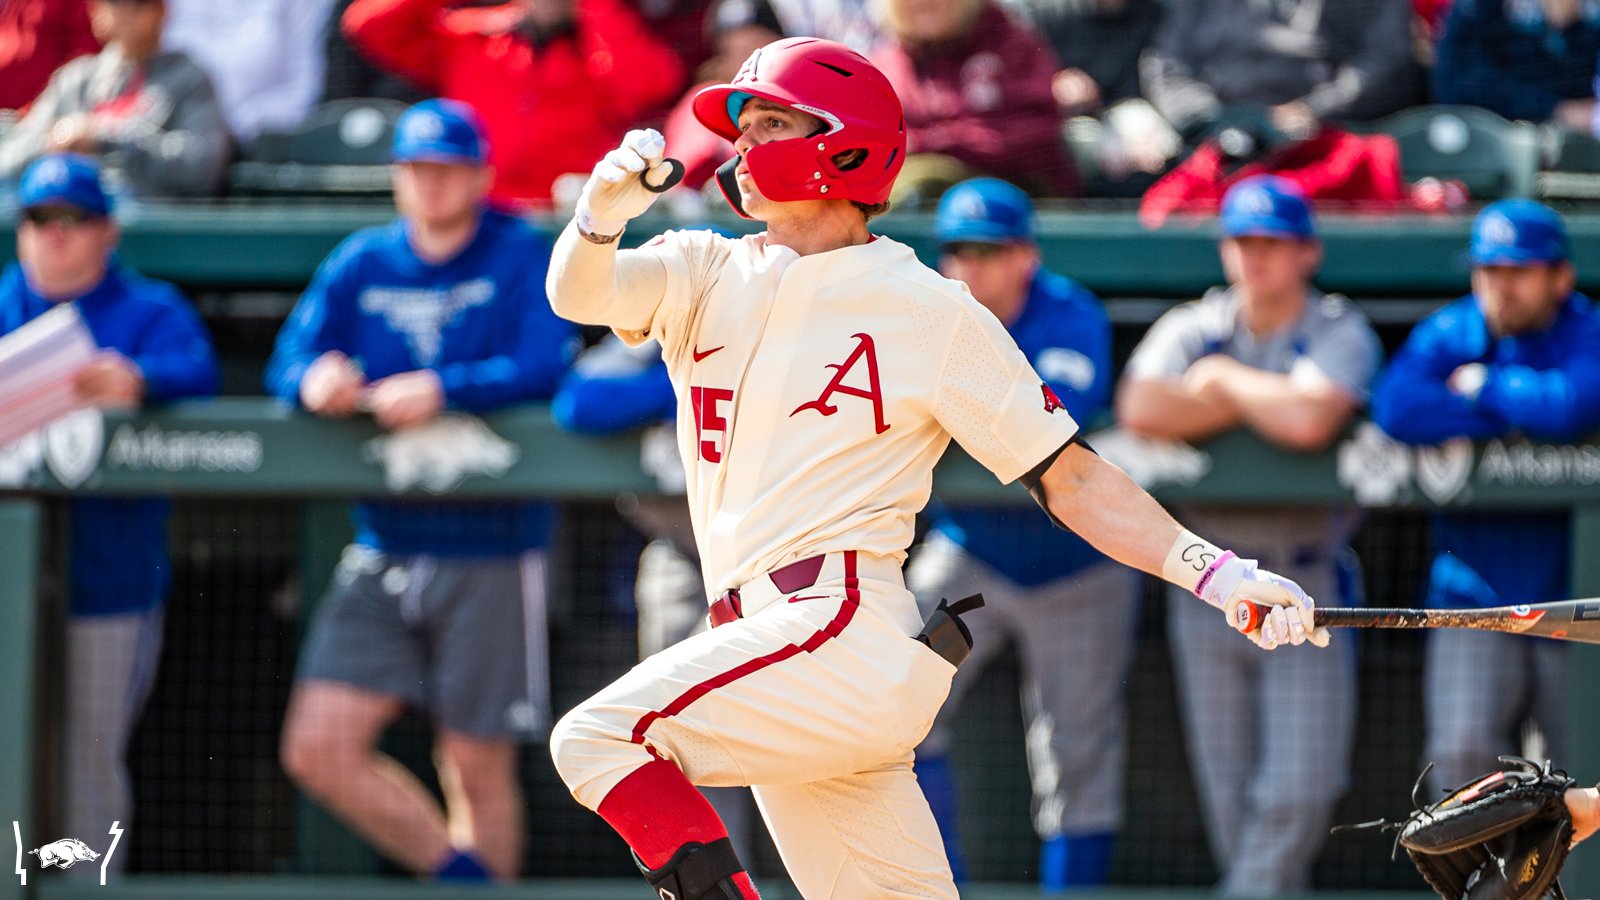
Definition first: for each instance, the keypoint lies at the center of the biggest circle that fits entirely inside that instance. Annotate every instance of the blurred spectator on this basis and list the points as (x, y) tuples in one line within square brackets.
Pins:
[(1272, 354), (681, 25), (850, 22), (36, 38), (1063, 608), (265, 58), (614, 388), (1523, 59), (436, 606), (557, 81), (1305, 60), (1520, 355), (976, 89), (351, 75), (738, 29), (154, 349), (150, 115), (1098, 44)]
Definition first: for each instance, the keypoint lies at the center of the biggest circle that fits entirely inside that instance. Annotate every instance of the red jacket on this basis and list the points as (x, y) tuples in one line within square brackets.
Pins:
[(984, 99), (36, 38), (548, 111)]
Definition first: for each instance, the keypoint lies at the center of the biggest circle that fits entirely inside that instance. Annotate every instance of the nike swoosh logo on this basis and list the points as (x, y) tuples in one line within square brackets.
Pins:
[(699, 356), (797, 598)]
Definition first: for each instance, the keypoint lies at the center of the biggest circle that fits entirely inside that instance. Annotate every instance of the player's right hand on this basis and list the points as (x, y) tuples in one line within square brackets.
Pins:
[(1290, 617), (614, 193), (332, 386)]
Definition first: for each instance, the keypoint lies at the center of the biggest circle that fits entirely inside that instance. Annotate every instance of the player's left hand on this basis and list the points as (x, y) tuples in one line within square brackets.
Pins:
[(409, 398), (1290, 618), (110, 380)]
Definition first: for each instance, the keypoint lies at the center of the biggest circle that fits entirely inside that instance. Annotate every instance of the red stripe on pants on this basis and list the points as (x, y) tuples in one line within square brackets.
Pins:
[(847, 611)]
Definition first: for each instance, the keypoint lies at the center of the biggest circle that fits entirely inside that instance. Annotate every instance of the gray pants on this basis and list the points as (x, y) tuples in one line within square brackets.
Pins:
[(1269, 738), (1479, 686), (1074, 637), (111, 666)]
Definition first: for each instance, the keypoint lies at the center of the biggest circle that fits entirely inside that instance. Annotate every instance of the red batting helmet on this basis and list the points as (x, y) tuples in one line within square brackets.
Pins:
[(856, 103)]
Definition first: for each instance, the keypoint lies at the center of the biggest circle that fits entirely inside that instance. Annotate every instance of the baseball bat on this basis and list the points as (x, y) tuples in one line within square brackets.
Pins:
[(1563, 620), (667, 184)]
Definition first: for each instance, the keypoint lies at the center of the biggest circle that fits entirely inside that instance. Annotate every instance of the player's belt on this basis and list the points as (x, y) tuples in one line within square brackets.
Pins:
[(793, 577)]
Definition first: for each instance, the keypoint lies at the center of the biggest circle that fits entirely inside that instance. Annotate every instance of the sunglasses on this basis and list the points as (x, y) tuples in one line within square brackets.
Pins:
[(66, 216), (973, 249)]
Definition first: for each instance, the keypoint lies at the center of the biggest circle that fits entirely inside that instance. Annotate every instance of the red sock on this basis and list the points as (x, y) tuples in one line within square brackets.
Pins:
[(657, 810)]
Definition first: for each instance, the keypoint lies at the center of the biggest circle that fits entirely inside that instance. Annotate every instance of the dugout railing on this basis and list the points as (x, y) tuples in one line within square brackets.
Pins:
[(254, 449)]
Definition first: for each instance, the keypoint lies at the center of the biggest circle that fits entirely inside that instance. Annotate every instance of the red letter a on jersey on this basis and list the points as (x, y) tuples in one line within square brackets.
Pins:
[(837, 385)]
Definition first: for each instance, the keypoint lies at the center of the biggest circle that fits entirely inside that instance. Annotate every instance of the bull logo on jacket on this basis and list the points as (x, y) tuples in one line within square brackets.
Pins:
[(422, 313)]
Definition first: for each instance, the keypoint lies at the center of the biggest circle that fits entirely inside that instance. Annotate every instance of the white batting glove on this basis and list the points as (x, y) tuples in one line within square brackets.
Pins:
[(1290, 611), (614, 193)]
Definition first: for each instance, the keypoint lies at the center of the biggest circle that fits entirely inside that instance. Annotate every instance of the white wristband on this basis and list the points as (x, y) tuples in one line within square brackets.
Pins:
[(1190, 561)]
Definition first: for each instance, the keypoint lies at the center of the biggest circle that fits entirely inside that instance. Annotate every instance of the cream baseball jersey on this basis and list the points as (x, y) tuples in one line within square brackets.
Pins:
[(816, 393)]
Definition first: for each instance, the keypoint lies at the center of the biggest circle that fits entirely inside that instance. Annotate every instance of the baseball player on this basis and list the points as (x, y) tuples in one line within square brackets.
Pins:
[(1520, 354), (820, 371), (1061, 604), (1271, 354)]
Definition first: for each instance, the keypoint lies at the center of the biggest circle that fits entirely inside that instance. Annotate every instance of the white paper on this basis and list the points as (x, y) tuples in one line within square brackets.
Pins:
[(38, 363)]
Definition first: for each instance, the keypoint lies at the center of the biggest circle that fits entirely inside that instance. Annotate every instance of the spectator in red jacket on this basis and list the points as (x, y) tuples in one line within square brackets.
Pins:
[(557, 81), (976, 87), (36, 38)]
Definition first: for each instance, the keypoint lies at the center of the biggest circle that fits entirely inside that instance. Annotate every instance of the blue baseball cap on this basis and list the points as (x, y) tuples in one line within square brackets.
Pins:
[(1518, 233), (1267, 206), (64, 179), (446, 131), (984, 210)]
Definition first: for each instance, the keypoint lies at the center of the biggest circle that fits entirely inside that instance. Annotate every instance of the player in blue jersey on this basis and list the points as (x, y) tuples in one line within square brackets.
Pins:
[(1520, 355), (436, 606), (153, 349), (1060, 603)]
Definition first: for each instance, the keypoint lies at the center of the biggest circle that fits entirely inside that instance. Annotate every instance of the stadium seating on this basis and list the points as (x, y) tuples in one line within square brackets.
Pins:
[(1493, 157), (342, 149)]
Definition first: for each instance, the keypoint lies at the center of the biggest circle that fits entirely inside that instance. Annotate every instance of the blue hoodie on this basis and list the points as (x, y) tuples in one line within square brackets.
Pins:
[(119, 545), (1545, 385), (480, 320)]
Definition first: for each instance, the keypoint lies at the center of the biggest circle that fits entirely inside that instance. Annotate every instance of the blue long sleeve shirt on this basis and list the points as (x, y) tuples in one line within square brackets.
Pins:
[(615, 388), (1545, 385), (1504, 56), (480, 320), (119, 557), (1064, 332)]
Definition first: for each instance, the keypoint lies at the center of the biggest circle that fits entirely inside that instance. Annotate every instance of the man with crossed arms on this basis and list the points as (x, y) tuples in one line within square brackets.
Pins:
[(821, 372)]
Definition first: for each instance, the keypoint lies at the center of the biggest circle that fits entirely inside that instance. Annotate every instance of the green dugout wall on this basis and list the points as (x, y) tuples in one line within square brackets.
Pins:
[(255, 448)]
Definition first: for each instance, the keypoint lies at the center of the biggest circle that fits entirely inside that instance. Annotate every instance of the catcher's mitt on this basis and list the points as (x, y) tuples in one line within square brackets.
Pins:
[(1504, 836)]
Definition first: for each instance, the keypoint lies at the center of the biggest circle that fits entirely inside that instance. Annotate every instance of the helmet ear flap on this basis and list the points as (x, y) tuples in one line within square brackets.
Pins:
[(728, 182)]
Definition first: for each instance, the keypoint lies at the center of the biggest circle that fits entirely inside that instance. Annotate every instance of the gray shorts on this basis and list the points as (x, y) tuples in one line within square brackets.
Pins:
[(464, 640)]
